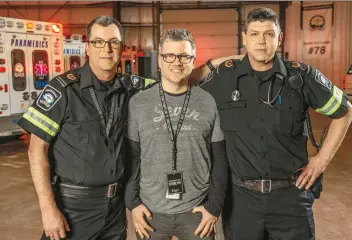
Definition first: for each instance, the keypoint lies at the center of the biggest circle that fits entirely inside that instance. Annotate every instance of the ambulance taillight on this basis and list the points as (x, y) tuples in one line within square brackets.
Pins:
[(57, 62)]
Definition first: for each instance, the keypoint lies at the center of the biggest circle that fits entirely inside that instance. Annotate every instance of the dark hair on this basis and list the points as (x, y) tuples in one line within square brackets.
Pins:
[(177, 34), (103, 21), (261, 14)]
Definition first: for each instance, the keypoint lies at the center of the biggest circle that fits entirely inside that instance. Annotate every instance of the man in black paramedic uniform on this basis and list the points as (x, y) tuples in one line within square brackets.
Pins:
[(77, 124), (262, 102)]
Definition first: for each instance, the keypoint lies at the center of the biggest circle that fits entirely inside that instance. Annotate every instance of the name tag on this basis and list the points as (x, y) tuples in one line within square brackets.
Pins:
[(175, 185)]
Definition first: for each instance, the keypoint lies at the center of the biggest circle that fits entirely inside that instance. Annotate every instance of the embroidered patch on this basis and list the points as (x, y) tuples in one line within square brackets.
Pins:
[(71, 76), (295, 64), (48, 98), (228, 63), (135, 80), (320, 78)]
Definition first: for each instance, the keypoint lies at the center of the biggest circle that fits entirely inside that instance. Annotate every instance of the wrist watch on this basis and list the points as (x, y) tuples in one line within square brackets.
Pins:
[(210, 65)]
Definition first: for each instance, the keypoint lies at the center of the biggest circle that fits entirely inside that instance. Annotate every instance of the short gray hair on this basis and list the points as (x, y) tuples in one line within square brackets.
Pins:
[(177, 34), (104, 21)]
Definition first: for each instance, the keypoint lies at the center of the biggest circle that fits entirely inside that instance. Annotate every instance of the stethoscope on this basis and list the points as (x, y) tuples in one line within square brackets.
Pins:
[(236, 94)]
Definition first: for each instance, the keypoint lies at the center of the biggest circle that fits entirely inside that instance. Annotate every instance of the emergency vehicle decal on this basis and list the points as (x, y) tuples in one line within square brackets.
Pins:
[(18, 70), (29, 43), (41, 70), (48, 98)]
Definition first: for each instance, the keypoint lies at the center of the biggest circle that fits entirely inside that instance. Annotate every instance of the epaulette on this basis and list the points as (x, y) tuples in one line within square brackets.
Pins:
[(68, 78), (227, 65)]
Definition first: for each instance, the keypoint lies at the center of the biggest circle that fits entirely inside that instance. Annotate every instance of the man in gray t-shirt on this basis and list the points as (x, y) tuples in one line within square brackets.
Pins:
[(178, 172)]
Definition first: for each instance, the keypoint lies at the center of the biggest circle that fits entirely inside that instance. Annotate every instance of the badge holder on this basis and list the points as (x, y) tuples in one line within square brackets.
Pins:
[(174, 185)]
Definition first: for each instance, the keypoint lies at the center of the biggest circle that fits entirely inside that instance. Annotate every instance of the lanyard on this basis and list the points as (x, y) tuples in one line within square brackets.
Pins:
[(106, 126), (174, 135)]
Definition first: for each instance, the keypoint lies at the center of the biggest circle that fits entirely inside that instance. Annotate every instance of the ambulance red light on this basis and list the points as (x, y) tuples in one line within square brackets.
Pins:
[(2, 61), (344, 82), (84, 38), (2, 69), (57, 62), (29, 25), (55, 28), (58, 69), (5, 86)]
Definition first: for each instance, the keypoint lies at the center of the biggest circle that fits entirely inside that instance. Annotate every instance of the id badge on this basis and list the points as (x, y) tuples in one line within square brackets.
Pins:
[(175, 183)]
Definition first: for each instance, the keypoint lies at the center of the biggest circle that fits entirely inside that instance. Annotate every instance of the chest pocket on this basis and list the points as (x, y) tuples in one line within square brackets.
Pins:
[(290, 116), (231, 115)]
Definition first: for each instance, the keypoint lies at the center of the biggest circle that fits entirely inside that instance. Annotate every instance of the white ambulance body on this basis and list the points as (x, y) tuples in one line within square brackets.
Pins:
[(74, 52), (31, 53)]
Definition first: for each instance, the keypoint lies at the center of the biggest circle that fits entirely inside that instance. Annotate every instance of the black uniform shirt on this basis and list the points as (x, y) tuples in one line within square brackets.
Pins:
[(262, 141), (65, 116)]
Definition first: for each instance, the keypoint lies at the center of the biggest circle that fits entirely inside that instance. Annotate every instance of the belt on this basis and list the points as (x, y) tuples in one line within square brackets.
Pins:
[(109, 191), (263, 186)]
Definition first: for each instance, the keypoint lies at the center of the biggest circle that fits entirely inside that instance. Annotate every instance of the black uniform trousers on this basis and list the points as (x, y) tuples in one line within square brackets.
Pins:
[(98, 218), (279, 215)]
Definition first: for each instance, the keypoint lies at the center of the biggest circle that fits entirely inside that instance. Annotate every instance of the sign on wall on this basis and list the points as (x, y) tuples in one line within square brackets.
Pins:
[(317, 31)]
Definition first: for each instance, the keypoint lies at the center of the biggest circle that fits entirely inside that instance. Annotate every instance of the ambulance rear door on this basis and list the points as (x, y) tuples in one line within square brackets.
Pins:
[(19, 71), (39, 64)]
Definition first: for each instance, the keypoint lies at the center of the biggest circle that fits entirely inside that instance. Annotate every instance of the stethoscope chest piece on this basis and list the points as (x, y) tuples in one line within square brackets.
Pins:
[(236, 95)]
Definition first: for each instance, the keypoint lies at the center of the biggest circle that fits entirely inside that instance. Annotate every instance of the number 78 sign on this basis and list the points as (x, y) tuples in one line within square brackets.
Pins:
[(317, 31)]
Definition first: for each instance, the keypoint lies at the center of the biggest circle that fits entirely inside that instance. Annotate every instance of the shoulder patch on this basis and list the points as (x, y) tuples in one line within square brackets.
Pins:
[(229, 63), (295, 64), (320, 78), (48, 98), (71, 76)]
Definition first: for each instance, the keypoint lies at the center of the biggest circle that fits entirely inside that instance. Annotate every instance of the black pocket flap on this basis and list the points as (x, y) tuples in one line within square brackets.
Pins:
[(238, 104)]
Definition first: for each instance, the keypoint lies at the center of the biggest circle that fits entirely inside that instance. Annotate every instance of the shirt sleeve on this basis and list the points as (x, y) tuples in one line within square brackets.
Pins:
[(133, 174), (44, 117), (132, 125), (323, 96), (219, 172)]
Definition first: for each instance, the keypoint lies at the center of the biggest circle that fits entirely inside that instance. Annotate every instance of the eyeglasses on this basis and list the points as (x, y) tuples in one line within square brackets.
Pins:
[(101, 43), (183, 58)]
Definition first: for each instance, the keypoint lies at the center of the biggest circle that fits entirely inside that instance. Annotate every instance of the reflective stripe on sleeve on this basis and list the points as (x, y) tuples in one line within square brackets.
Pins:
[(42, 121), (333, 104)]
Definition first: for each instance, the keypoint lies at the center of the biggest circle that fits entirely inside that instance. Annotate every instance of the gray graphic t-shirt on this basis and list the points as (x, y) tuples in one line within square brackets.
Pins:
[(201, 126)]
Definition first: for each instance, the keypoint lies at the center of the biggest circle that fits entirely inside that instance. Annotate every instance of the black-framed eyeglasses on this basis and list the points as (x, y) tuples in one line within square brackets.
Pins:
[(183, 58), (101, 43)]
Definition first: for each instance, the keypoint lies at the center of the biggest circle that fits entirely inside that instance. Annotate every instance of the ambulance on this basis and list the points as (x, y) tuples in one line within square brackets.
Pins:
[(31, 53), (74, 51)]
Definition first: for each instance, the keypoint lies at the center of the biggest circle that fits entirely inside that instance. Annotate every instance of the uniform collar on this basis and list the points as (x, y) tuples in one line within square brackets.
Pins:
[(245, 68), (88, 79)]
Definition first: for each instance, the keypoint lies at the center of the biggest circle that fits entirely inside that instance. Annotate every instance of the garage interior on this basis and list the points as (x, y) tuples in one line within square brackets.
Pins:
[(217, 28)]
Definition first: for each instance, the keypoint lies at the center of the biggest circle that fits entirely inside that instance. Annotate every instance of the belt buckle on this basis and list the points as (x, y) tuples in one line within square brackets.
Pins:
[(266, 188), (112, 190)]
